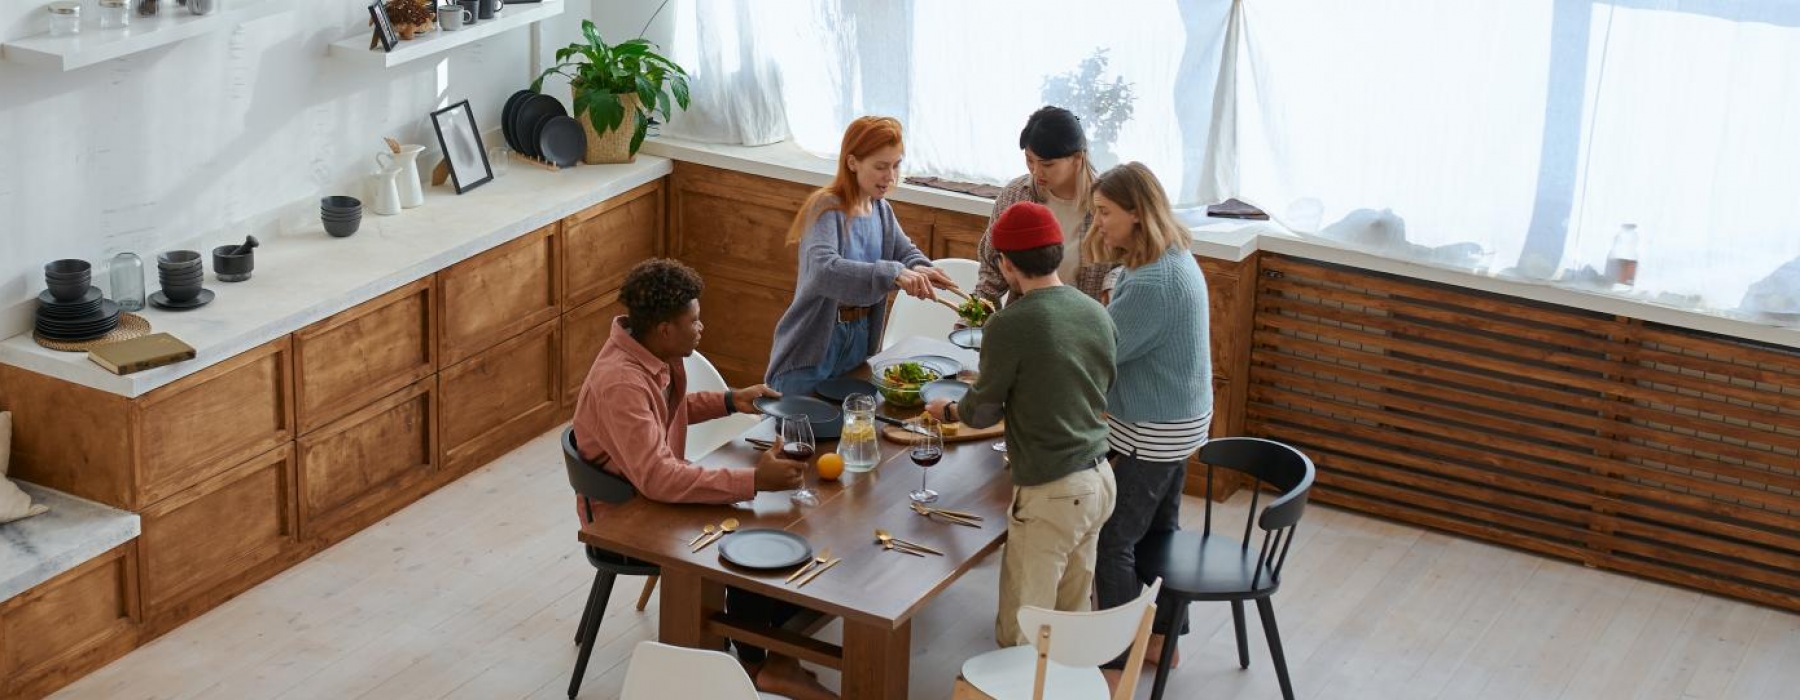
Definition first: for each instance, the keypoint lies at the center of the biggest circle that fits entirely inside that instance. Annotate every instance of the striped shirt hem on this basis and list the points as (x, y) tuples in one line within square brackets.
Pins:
[(1158, 441)]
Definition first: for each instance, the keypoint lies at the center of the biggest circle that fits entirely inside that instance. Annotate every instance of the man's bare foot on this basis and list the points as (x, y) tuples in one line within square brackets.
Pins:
[(1153, 653), (783, 675)]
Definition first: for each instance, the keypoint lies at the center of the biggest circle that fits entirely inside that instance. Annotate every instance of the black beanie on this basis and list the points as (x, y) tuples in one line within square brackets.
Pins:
[(1053, 132)]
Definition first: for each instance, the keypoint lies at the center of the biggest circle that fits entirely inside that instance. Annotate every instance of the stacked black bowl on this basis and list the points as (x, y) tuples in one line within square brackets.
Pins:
[(341, 215), (181, 273), (71, 309)]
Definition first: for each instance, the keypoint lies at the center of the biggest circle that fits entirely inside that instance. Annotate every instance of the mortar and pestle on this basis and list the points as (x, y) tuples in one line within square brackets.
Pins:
[(232, 263)]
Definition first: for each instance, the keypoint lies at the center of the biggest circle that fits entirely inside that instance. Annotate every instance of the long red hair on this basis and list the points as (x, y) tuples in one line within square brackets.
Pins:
[(862, 138)]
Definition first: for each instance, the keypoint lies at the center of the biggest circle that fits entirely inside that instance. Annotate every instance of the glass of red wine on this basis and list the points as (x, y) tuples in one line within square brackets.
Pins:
[(926, 453), (797, 444)]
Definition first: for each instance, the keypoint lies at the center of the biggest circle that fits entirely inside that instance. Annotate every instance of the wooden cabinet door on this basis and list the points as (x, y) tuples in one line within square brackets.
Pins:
[(212, 541), (956, 235), (368, 464), (73, 623), (602, 243), (584, 333), (733, 226), (740, 328), (355, 357), (196, 428), (916, 222), (497, 295), (500, 399)]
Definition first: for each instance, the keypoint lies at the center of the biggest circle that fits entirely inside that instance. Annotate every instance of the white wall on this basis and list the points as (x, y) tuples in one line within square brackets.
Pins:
[(208, 139)]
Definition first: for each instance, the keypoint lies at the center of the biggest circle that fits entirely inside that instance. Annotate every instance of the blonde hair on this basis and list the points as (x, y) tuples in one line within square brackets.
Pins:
[(1137, 191), (863, 137)]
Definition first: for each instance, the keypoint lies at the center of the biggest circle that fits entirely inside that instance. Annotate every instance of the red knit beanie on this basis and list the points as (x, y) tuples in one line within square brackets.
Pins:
[(1024, 226)]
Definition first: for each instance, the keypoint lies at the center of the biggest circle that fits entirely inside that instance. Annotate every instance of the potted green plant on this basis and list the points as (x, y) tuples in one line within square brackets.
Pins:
[(617, 89)]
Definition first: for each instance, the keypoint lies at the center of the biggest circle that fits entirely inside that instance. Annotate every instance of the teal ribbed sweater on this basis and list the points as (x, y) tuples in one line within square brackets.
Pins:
[(1164, 359)]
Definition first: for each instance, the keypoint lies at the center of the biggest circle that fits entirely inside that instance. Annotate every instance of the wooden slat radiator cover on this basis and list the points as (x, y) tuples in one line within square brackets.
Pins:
[(1652, 450)]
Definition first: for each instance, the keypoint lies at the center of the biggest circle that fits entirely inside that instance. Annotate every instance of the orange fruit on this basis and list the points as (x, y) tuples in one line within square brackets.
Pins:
[(831, 466)]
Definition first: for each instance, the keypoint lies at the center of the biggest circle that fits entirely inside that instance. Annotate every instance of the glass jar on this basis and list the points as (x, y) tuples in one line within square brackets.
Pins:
[(202, 7), (127, 275), (857, 443), (147, 8), (115, 14), (65, 18)]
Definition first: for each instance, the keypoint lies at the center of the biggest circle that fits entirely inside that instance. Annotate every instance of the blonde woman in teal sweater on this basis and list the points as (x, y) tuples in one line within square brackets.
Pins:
[(1159, 408)]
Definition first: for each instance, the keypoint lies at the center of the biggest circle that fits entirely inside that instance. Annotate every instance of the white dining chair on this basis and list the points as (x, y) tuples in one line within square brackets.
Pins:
[(660, 671), (703, 438), (911, 316), (1064, 663)]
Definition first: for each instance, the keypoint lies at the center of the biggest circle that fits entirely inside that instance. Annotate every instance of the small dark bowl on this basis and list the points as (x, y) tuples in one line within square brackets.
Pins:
[(181, 293), (232, 268), (190, 271), (343, 229), (68, 268), (68, 291), (340, 217), (340, 202), (178, 258)]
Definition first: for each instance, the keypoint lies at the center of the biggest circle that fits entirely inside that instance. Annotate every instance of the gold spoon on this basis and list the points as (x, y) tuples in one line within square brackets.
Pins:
[(703, 533), (725, 528), (824, 555), (890, 546), (891, 541)]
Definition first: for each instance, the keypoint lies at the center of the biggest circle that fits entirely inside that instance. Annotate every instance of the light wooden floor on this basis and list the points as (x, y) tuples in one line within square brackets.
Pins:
[(474, 592)]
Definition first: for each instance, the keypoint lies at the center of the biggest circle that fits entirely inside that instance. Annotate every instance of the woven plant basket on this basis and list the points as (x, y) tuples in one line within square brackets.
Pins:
[(613, 146)]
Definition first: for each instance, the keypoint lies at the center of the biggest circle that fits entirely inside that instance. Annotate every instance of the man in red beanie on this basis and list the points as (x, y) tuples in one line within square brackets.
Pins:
[(1046, 363)]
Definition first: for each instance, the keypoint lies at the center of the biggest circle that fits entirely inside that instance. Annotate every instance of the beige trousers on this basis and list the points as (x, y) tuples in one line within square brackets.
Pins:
[(1051, 537)]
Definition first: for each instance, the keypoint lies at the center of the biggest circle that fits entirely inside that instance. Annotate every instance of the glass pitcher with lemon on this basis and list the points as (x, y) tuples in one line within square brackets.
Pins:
[(857, 442)]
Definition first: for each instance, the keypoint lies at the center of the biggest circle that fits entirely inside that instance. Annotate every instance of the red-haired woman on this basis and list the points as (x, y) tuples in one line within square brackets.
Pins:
[(852, 254)]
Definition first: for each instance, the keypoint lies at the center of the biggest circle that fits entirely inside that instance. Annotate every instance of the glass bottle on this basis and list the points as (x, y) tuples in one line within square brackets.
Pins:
[(1622, 260), (856, 443), (127, 273), (65, 18)]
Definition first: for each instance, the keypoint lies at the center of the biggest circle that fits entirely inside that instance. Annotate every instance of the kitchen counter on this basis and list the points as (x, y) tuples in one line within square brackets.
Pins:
[(36, 549)]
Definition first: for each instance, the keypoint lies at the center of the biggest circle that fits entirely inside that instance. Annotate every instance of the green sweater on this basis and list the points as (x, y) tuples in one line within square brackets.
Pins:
[(1046, 363)]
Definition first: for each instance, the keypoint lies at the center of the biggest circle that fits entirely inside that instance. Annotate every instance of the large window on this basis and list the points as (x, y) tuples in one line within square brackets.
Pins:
[(1509, 135)]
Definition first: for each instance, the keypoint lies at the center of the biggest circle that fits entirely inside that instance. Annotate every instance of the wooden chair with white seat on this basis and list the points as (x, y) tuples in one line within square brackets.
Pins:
[(910, 316), (1065, 661), (660, 671)]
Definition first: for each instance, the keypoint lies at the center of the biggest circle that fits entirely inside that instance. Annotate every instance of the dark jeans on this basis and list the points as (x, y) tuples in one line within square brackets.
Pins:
[(1149, 501), (756, 608)]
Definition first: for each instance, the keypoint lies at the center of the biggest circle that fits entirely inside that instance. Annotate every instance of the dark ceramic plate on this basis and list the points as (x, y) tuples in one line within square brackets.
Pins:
[(966, 338), (506, 115), (105, 311), (827, 421), (837, 389), (47, 299), (765, 549), (205, 297), (561, 141), (525, 120), (943, 389)]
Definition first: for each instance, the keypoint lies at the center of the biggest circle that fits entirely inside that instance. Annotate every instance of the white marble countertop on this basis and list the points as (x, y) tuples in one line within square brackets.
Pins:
[(36, 549), (304, 275)]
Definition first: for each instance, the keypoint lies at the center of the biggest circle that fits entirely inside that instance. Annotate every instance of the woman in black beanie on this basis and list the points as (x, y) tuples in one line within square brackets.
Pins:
[(1060, 177)]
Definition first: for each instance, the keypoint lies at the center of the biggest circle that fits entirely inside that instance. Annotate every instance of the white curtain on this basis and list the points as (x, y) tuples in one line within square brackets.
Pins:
[(729, 48)]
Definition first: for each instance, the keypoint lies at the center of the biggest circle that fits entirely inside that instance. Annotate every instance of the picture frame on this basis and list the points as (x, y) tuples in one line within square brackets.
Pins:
[(385, 33), (460, 140)]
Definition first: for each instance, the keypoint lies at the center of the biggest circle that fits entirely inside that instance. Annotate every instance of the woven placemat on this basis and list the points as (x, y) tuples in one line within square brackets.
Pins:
[(130, 326)]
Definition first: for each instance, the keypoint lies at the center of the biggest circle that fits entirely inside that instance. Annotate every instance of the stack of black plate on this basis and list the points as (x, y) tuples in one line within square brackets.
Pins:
[(86, 318), (537, 126)]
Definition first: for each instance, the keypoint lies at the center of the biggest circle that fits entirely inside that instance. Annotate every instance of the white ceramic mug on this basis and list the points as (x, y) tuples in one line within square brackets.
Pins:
[(452, 17)]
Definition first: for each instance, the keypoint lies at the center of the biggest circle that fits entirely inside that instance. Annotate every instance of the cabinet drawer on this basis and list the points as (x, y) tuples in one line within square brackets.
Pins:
[(357, 470), (196, 428), (70, 624), (206, 544), (497, 295), (500, 399), (584, 333), (353, 358), (602, 243)]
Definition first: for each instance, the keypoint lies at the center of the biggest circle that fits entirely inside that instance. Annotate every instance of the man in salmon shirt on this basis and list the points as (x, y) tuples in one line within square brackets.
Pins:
[(632, 418)]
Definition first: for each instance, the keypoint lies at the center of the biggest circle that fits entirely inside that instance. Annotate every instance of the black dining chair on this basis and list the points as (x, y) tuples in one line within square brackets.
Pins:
[(1202, 565), (597, 484)]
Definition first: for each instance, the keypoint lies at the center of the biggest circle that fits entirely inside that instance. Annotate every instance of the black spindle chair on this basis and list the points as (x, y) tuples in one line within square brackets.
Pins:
[(1202, 565), (597, 484)]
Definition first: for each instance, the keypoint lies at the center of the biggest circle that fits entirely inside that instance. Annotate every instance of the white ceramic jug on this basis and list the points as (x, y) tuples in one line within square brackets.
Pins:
[(412, 194), (384, 192)]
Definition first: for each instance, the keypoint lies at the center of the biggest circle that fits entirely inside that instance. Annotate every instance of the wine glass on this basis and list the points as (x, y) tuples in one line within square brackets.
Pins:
[(797, 444), (927, 452)]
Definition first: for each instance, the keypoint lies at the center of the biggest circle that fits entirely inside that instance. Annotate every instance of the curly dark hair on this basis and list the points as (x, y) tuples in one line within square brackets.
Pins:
[(658, 290)]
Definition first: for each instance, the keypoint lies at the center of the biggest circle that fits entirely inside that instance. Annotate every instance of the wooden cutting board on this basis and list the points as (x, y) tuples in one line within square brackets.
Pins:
[(964, 433)]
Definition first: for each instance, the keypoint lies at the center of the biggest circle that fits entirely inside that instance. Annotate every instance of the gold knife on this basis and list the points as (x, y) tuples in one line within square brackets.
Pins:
[(816, 572), (917, 546)]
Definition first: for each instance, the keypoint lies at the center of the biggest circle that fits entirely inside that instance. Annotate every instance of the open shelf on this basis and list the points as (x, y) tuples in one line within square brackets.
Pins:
[(356, 48), (95, 45)]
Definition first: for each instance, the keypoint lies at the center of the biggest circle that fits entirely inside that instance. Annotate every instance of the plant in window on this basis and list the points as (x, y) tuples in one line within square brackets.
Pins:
[(618, 90), (1104, 106)]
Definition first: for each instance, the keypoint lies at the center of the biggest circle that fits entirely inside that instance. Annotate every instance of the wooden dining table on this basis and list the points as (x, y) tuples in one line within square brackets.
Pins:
[(874, 591)]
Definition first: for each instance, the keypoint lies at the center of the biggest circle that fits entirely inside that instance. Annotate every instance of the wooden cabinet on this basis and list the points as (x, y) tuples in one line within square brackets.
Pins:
[(584, 333), (195, 428), (368, 464), (212, 541), (355, 357), (742, 331), (498, 294), (68, 437), (957, 235), (69, 625), (733, 227), (500, 399), (602, 243), (1231, 296)]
